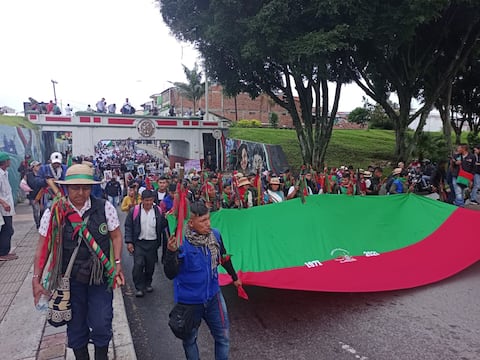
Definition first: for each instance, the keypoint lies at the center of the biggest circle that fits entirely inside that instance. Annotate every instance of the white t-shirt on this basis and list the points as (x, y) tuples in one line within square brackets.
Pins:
[(6, 194)]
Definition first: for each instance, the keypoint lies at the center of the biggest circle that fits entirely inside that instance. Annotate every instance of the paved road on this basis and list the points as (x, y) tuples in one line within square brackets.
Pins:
[(440, 321)]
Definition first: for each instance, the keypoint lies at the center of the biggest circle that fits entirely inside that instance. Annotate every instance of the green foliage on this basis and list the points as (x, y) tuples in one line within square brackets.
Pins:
[(359, 148), (379, 119), (193, 89), (273, 120), (413, 49), (359, 115), (281, 48), (244, 123), (19, 121), (430, 146), (465, 100), (473, 139)]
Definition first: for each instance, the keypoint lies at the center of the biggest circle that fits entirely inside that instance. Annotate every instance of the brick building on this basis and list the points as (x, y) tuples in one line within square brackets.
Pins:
[(235, 108)]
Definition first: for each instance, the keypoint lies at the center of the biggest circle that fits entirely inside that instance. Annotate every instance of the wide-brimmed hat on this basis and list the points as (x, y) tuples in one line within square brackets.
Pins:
[(243, 181), (274, 181), (80, 174)]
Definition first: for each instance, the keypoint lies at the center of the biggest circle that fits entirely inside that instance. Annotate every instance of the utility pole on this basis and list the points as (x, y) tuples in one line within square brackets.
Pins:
[(206, 94), (54, 92)]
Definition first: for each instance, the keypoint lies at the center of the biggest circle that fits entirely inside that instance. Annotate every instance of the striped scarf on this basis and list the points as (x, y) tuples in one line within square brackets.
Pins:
[(205, 240), (52, 251)]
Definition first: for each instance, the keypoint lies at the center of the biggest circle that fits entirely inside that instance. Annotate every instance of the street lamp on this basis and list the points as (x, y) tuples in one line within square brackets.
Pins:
[(54, 92)]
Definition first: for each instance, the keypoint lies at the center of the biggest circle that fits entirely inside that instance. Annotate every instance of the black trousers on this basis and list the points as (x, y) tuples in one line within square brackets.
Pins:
[(144, 258), (6, 233)]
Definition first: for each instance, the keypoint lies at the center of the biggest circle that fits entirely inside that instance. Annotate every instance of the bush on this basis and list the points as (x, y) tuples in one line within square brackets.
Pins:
[(473, 140), (380, 120), (359, 115), (273, 120), (249, 123)]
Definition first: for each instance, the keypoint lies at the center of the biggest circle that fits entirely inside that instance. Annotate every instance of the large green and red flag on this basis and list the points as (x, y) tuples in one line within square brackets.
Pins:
[(349, 244)]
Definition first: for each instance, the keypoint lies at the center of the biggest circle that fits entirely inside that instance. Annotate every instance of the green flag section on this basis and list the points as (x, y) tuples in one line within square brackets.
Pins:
[(326, 227), (339, 243)]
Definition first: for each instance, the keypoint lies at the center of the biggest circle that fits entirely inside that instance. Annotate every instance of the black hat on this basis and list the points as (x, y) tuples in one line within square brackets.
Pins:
[(172, 187), (213, 176), (148, 194)]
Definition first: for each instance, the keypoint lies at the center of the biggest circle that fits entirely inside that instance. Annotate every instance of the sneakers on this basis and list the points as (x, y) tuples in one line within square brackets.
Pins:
[(149, 289), (8, 257), (139, 293), (474, 202)]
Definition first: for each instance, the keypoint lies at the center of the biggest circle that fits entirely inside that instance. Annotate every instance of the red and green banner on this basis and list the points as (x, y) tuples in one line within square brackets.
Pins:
[(349, 244)]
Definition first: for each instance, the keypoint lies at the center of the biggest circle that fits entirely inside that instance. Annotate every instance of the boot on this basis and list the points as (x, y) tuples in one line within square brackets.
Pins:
[(81, 353), (101, 353)]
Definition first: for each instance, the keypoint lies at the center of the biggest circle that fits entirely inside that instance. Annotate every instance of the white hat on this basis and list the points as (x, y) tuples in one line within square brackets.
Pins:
[(56, 157)]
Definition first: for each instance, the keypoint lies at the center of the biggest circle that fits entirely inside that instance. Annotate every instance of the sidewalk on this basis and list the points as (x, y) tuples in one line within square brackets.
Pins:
[(24, 333)]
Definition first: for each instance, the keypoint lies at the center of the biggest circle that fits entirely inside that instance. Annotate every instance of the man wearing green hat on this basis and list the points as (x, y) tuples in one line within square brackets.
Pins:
[(7, 210)]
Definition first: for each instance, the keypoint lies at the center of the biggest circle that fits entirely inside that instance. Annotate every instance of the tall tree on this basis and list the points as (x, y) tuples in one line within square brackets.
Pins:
[(282, 48), (465, 99), (194, 88), (414, 49)]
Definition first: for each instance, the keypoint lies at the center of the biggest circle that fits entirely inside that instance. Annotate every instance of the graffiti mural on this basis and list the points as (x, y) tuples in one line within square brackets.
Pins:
[(18, 142), (248, 156)]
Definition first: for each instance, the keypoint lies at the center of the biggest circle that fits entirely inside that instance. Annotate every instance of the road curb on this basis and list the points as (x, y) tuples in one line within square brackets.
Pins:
[(122, 337)]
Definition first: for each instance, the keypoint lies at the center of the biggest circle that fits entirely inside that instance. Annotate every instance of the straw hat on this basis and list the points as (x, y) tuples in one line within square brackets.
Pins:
[(275, 181), (243, 181), (78, 174)]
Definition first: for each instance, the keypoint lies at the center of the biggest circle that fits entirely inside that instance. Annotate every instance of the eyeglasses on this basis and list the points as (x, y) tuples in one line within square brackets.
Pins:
[(79, 187)]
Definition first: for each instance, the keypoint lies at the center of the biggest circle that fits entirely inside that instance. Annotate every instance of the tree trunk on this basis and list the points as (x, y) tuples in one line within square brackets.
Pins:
[(400, 143), (418, 132), (444, 108), (323, 132)]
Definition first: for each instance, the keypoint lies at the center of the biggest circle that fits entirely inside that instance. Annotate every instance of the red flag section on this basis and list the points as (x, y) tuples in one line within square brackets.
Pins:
[(450, 248)]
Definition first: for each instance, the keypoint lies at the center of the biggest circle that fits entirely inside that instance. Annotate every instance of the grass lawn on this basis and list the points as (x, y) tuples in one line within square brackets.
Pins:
[(347, 147), (19, 121)]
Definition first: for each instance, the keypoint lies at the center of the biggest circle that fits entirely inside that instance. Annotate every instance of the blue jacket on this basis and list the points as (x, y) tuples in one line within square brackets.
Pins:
[(195, 282), (45, 172), (399, 186)]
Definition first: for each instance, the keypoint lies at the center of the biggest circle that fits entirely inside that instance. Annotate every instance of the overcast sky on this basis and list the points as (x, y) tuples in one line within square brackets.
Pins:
[(93, 49)]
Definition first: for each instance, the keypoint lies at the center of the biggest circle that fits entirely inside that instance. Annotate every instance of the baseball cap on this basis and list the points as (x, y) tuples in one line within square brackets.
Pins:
[(56, 158)]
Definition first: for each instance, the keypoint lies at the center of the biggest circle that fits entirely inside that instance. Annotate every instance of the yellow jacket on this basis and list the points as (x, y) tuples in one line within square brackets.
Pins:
[(128, 202)]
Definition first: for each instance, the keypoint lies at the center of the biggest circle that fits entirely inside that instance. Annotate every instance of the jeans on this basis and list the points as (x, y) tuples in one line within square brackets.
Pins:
[(113, 200), (92, 314), (476, 187), (459, 196), (214, 312), (6, 233), (36, 212)]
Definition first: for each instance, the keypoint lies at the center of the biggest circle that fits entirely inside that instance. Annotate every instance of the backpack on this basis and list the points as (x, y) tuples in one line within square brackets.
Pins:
[(136, 211)]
